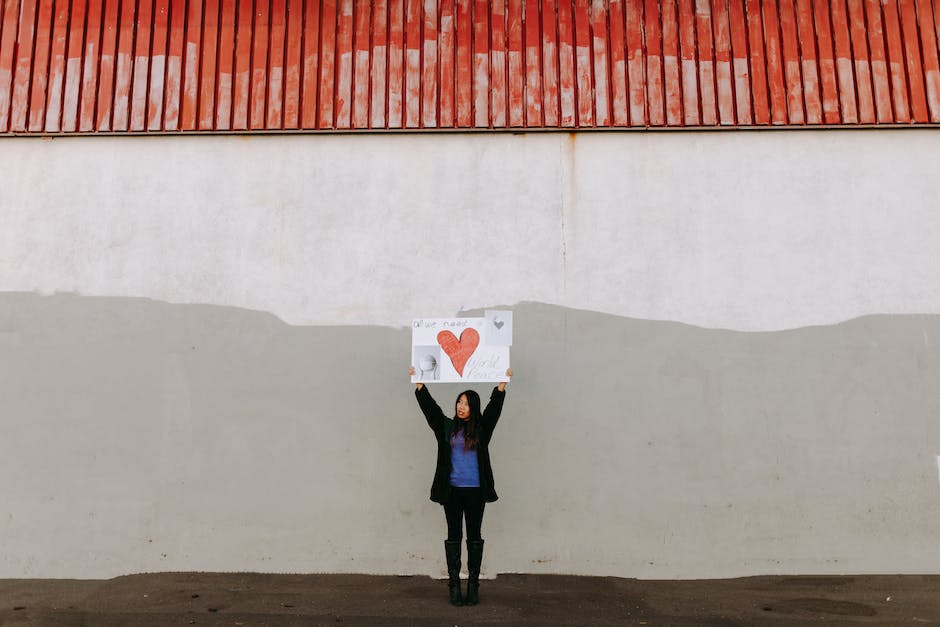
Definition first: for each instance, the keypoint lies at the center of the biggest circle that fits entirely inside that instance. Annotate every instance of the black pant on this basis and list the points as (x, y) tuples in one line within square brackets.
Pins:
[(462, 502)]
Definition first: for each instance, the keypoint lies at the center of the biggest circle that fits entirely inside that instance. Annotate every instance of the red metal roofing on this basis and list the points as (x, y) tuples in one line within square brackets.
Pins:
[(253, 65)]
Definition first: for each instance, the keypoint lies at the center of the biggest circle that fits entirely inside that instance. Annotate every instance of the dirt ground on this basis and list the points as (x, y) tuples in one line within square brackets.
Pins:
[(259, 599)]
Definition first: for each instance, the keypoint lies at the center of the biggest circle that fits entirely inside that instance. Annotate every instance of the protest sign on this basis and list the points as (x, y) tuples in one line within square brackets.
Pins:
[(461, 349)]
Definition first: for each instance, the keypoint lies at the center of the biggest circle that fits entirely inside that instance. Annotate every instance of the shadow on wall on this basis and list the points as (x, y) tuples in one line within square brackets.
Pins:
[(145, 436)]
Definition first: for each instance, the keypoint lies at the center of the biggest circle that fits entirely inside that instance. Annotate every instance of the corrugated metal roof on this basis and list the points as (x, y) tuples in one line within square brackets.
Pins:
[(220, 65)]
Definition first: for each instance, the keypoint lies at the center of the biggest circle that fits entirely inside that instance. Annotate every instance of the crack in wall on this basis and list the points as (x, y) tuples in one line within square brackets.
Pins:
[(566, 202)]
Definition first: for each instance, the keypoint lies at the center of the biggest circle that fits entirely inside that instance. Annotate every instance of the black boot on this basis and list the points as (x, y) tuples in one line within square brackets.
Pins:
[(452, 551), (474, 559)]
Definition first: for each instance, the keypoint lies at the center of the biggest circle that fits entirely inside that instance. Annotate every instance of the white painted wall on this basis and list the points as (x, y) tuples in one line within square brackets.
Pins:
[(750, 231)]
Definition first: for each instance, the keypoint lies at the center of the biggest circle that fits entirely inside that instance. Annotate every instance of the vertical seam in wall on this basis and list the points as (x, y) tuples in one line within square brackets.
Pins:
[(565, 204)]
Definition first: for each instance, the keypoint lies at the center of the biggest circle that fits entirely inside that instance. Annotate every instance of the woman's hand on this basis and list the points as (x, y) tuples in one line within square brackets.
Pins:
[(502, 386), (411, 372)]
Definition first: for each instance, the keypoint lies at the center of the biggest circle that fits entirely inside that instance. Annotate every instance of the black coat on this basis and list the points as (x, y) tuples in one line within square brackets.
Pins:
[(443, 426)]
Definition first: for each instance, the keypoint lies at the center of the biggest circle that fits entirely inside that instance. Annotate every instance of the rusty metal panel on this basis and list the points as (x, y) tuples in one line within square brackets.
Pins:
[(533, 83), (791, 63), (809, 63), (723, 63), (671, 61), (636, 74), (24, 61), (931, 64), (655, 72), (706, 68), (464, 63), (166, 66), (412, 63)]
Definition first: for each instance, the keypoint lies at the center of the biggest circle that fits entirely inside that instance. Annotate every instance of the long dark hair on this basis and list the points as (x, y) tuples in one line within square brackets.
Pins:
[(468, 426)]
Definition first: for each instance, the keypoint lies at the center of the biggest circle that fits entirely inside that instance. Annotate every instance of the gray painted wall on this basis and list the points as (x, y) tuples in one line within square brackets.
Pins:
[(725, 351), (142, 436)]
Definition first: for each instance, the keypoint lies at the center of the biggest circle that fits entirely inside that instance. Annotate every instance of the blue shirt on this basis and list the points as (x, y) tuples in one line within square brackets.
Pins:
[(465, 470)]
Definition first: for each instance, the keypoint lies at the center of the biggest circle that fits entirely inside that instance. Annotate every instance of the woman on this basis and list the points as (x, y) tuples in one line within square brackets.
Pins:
[(463, 481)]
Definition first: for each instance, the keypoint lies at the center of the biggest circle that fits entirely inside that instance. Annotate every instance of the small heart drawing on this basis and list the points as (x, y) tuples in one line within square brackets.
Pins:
[(460, 350), (499, 323)]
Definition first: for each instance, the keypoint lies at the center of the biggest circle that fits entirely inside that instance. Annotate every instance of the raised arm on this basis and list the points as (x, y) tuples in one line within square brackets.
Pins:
[(429, 407), (495, 407), (411, 372), (502, 386)]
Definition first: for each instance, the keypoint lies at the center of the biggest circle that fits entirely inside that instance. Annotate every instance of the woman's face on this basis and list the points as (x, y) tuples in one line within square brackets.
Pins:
[(463, 407)]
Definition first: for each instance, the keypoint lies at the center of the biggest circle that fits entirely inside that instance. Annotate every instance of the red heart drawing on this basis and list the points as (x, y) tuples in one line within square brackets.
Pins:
[(460, 350)]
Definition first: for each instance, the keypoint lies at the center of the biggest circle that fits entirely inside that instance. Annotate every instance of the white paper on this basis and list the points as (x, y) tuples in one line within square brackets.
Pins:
[(497, 328), (461, 349)]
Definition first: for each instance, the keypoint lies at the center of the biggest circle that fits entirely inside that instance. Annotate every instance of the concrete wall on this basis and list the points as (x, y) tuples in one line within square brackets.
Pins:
[(726, 351)]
